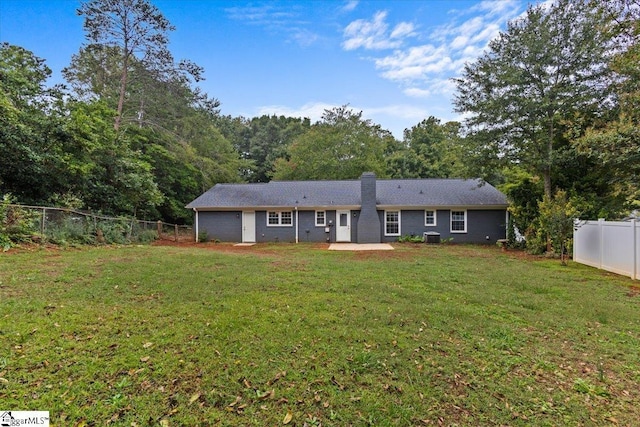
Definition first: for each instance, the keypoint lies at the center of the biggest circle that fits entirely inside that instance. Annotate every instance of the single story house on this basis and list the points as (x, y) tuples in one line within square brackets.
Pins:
[(368, 210)]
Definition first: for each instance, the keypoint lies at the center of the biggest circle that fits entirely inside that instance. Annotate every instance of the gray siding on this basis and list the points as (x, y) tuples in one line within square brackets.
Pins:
[(309, 232), (223, 226), (480, 224), (227, 226), (266, 233)]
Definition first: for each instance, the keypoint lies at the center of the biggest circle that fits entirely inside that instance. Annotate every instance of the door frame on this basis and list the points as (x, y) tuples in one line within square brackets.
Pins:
[(343, 233), (248, 227)]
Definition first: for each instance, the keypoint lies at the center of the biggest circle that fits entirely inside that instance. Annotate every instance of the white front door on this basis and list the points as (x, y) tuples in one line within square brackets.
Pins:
[(248, 227), (343, 226)]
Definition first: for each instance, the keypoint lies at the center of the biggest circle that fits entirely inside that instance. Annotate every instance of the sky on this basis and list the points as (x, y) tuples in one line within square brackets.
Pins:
[(392, 60)]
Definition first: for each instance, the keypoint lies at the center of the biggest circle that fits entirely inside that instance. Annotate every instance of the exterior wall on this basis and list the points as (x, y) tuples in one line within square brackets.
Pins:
[(223, 226), (309, 232), (480, 224), (227, 226), (274, 234), (307, 221)]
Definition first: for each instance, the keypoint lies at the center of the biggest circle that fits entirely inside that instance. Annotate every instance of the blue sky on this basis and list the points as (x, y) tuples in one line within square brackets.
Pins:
[(392, 60)]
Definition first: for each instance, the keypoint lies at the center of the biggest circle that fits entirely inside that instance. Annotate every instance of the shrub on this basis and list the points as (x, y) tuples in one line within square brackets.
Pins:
[(411, 239), (16, 224)]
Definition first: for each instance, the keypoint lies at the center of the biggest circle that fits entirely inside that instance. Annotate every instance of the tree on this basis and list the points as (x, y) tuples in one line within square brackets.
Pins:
[(429, 150), (31, 117), (547, 68), (340, 146), (136, 30), (614, 143), (105, 169), (262, 140), (557, 215)]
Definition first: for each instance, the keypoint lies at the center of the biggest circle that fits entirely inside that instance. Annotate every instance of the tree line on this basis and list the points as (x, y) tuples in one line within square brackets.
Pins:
[(552, 118)]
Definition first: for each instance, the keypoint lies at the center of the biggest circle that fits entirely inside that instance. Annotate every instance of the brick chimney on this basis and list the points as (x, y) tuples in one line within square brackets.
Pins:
[(369, 221)]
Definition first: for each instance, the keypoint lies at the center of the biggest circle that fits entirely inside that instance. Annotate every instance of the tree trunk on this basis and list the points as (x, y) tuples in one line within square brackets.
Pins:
[(123, 89), (548, 192)]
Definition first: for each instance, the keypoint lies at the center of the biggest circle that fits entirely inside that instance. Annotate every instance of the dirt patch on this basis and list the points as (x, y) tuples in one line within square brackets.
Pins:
[(258, 248), (634, 291)]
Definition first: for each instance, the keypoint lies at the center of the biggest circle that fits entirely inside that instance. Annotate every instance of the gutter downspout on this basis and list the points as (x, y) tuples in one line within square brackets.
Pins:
[(297, 224), (197, 232)]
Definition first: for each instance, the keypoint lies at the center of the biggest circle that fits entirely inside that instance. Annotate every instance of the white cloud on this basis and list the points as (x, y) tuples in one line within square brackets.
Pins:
[(426, 70), (374, 35), (350, 6), (304, 37), (415, 92), (403, 29), (416, 63), (276, 20), (311, 110)]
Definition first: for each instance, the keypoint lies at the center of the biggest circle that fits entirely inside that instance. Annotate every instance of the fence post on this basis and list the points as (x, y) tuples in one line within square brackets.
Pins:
[(159, 229), (601, 233), (44, 216), (634, 234), (175, 230), (575, 238)]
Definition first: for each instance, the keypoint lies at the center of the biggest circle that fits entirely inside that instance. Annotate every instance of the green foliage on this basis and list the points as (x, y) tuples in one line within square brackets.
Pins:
[(613, 141), (341, 146), (30, 120), (262, 140), (16, 224), (429, 150), (549, 65), (410, 239), (203, 236), (103, 165), (132, 27), (69, 230), (523, 191), (557, 216)]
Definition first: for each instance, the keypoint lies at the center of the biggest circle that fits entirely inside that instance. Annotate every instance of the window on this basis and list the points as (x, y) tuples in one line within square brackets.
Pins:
[(392, 223), (321, 219), (275, 219), (430, 218), (458, 221)]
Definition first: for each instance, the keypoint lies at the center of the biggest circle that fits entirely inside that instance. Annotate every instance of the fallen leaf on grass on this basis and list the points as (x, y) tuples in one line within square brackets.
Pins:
[(147, 345), (287, 418), (265, 395), (194, 398), (164, 422), (238, 399), (277, 377), (145, 359)]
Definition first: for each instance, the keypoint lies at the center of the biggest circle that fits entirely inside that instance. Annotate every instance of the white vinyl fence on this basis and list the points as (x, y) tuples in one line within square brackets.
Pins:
[(610, 245)]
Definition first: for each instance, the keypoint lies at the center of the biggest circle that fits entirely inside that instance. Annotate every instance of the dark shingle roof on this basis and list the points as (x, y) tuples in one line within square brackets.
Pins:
[(313, 194)]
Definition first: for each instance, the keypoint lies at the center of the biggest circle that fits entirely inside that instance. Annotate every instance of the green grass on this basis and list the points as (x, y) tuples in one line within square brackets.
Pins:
[(423, 335)]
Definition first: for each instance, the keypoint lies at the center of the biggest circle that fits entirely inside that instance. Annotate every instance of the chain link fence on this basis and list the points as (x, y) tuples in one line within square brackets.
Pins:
[(68, 226)]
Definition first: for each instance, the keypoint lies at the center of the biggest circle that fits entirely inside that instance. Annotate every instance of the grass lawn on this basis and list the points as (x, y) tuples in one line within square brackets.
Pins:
[(295, 335)]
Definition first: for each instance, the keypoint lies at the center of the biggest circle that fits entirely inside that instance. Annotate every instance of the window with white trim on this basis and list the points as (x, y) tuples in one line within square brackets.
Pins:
[(458, 221), (321, 218), (391, 223), (430, 218), (277, 219)]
